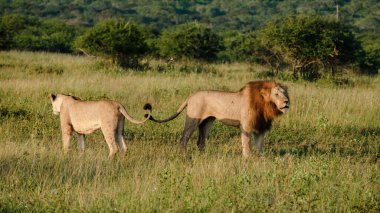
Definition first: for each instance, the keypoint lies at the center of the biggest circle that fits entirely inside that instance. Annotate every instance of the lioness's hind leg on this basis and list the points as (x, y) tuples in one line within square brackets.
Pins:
[(190, 125), (204, 129), (110, 137), (120, 135)]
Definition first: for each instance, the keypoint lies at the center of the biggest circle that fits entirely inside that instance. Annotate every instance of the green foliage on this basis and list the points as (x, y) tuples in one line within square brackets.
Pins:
[(370, 62), (220, 15), (306, 43), (10, 25), (238, 46), (50, 35), (117, 39), (160, 14), (192, 40), (26, 33)]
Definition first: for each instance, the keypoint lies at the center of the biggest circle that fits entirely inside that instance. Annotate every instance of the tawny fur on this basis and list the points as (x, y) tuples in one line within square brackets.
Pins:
[(84, 117), (252, 109)]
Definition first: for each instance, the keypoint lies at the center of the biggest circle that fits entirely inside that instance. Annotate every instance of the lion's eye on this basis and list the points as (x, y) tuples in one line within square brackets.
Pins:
[(276, 94)]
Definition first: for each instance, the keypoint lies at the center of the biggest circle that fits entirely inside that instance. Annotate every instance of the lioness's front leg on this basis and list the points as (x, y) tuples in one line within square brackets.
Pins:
[(67, 132)]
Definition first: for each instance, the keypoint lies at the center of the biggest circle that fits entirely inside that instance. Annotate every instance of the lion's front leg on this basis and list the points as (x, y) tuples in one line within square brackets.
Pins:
[(259, 142), (246, 143)]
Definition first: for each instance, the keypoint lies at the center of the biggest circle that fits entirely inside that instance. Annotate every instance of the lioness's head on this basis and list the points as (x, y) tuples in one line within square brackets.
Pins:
[(56, 102), (278, 95)]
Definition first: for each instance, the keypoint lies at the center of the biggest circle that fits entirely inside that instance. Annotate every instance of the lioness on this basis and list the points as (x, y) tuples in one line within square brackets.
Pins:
[(84, 117), (251, 109)]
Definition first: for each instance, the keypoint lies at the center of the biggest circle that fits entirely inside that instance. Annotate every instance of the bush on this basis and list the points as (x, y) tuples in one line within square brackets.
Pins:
[(192, 40), (27, 33), (238, 47), (117, 39), (50, 35), (370, 63), (10, 25), (308, 43)]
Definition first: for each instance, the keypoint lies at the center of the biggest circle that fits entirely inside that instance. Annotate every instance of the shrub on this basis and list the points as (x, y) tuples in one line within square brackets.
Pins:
[(370, 63), (307, 43), (10, 25), (192, 40), (238, 47), (117, 39), (50, 35), (28, 33)]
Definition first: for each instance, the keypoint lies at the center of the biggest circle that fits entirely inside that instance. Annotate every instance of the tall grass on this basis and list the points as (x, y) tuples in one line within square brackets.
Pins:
[(321, 156)]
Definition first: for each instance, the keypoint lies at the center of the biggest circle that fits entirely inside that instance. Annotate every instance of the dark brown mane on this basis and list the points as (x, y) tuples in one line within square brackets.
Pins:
[(265, 111)]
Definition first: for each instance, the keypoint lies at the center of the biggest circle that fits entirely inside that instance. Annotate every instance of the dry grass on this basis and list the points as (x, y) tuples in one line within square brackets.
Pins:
[(322, 156)]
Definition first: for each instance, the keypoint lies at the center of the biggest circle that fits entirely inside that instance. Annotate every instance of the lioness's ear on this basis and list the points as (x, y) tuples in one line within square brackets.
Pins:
[(266, 94), (52, 97)]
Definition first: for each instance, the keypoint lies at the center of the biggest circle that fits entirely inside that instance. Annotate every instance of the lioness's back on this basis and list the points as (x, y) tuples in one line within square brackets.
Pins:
[(92, 111)]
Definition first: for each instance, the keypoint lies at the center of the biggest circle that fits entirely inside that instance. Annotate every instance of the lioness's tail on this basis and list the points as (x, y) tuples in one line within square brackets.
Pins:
[(180, 109), (131, 119)]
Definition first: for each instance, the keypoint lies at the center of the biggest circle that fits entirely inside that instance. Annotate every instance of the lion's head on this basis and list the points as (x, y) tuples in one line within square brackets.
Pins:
[(278, 95)]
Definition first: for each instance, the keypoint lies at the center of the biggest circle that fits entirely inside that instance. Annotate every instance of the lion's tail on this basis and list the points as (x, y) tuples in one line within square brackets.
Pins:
[(131, 119), (180, 109)]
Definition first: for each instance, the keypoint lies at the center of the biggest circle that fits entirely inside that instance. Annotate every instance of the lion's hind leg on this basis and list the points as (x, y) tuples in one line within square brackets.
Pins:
[(204, 129), (190, 125)]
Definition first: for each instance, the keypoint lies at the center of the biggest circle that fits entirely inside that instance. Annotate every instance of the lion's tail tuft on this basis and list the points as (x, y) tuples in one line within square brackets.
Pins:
[(147, 106), (181, 108)]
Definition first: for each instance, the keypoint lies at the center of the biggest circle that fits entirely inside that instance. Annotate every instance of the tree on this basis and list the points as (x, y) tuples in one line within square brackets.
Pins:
[(10, 25), (192, 40), (117, 39), (49, 35), (27, 33), (238, 46), (307, 43)]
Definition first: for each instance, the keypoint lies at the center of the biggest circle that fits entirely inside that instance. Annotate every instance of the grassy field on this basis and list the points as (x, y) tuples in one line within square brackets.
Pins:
[(323, 156)]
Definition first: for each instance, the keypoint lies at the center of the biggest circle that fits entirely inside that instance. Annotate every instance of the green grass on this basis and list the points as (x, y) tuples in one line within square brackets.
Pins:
[(322, 156)]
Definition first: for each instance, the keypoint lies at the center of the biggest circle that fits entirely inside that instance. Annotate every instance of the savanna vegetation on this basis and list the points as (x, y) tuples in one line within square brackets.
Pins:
[(333, 33), (321, 156)]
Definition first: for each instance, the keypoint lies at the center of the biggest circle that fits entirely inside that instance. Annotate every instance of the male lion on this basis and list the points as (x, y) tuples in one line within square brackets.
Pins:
[(251, 109), (84, 117)]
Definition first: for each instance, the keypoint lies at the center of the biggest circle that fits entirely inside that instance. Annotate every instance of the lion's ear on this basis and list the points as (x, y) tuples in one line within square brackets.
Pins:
[(266, 94), (52, 97)]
